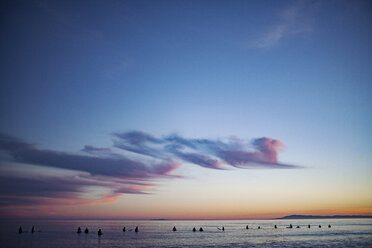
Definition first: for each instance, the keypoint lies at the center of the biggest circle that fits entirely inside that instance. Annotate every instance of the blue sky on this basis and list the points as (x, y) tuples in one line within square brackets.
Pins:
[(73, 73)]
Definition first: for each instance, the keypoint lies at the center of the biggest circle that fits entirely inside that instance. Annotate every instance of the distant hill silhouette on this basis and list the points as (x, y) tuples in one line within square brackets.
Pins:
[(324, 217)]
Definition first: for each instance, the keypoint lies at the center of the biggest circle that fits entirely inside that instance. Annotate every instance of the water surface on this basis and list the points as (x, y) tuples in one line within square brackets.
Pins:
[(62, 233)]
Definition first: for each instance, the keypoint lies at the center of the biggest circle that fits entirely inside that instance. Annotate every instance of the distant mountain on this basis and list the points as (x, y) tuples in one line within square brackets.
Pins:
[(324, 217)]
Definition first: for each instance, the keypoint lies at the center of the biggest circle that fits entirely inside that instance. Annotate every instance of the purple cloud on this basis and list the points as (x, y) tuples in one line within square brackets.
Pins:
[(128, 167), (208, 153), (113, 172), (137, 137), (95, 150), (118, 166)]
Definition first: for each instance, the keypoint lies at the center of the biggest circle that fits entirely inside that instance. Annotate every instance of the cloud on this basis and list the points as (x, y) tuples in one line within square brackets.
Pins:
[(194, 158), (268, 148), (137, 137), (136, 159), (138, 142), (208, 153), (292, 21), (118, 166), (95, 150), (53, 190), (71, 177)]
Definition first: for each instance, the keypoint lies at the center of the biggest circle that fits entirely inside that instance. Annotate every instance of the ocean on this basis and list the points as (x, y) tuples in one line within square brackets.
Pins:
[(62, 233)]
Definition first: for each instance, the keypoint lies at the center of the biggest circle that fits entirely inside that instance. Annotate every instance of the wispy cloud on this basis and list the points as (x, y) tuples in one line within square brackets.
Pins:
[(291, 21), (209, 153), (128, 167), (102, 171)]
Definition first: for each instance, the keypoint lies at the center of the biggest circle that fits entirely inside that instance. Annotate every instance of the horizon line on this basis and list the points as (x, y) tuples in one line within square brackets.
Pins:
[(188, 219)]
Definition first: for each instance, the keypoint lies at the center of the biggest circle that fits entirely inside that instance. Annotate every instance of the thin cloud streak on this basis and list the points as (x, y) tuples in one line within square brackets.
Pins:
[(291, 22)]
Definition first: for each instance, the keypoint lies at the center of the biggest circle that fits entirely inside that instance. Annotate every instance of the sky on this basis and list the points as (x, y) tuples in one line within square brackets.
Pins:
[(185, 109)]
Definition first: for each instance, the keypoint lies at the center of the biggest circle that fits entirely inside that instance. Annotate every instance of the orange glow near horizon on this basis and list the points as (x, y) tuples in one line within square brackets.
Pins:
[(112, 208), (211, 194)]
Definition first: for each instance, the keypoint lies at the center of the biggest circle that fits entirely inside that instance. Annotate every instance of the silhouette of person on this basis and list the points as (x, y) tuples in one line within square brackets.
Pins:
[(298, 227), (79, 230), (329, 226), (259, 227), (308, 226), (20, 230), (174, 229), (275, 227), (194, 229), (223, 228), (136, 230), (201, 229), (247, 227), (290, 226), (100, 232), (32, 229), (86, 230), (124, 229), (320, 226)]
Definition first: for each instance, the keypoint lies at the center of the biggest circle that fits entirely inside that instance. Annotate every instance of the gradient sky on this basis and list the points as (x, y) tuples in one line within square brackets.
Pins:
[(185, 109)]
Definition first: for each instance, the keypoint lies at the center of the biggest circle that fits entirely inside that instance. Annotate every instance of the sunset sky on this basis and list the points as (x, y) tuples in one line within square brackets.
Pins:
[(185, 109)]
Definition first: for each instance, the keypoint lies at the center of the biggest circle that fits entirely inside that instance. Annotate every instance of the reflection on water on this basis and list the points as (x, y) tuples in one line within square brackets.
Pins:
[(343, 233)]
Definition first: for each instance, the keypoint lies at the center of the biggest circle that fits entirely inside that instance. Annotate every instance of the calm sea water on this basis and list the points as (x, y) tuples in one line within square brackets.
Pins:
[(343, 233)]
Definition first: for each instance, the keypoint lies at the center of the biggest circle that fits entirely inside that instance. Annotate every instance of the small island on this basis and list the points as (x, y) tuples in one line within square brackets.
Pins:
[(324, 217)]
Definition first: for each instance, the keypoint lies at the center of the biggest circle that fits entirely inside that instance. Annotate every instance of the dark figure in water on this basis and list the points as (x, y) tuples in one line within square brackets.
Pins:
[(329, 226), (275, 227), (290, 226), (124, 229), (79, 230), (136, 230), (201, 229), (32, 229), (174, 229), (308, 226), (20, 230), (259, 227), (247, 227), (298, 227), (194, 229), (86, 230), (100, 232), (223, 228), (320, 226)]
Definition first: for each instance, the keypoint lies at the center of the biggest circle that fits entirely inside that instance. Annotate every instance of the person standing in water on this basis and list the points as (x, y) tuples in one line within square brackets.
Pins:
[(79, 230), (99, 232), (136, 230), (20, 230)]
